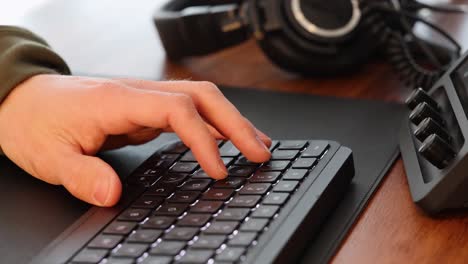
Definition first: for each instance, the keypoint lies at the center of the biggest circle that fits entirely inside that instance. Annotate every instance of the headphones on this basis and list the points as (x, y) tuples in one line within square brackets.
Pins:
[(310, 37)]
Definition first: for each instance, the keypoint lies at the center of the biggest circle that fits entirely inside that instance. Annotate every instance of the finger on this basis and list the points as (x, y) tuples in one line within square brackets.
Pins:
[(89, 179), (220, 113), (156, 109)]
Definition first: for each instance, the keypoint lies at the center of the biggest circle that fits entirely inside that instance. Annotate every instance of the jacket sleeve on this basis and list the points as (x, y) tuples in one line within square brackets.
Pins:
[(22, 55)]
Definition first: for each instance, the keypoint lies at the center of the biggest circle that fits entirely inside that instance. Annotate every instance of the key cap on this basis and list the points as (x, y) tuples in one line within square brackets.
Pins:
[(315, 149), (159, 222), (286, 186), (171, 209), (265, 211), (295, 174), (147, 202), (120, 228), (169, 157), (156, 260), (276, 198), (230, 254), (228, 150), (241, 171), (194, 220), (284, 154), (184, 197), (209, 207), (230, 183), (218, 194), (234, 214), (292, 144), (243, 239), (149, 172), (275, 165), (243, 161), (176, 148), (200, 174), (113, 260), (246, 201), (208, 242), (196, 185), (265, 176), (304, 163), (145, 236), (196, 256), (274, 144), (227, 161), (160, 189), (181, 233), (174, 178), (90, 256), (221, 228), (142, 180), (255, 188), (130, 250), (254, 224), (105, 241), (136, 215), (167, 248), (184, 167), (188, 156)]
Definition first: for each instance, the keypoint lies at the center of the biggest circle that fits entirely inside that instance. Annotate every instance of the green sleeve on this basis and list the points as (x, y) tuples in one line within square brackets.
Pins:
[(22, 55)]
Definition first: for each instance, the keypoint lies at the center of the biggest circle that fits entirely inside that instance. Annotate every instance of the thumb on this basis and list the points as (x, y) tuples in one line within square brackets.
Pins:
[(89, 179)]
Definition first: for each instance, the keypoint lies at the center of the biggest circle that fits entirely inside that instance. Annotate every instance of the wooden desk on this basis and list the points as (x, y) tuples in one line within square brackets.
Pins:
[(390, 230)]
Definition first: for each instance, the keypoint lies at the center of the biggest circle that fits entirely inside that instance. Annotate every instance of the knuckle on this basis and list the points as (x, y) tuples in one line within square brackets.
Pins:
[(182, 100), (210, 88)]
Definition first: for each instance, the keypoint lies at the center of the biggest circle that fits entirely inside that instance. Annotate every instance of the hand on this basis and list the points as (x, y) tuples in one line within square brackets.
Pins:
[(52, 125)]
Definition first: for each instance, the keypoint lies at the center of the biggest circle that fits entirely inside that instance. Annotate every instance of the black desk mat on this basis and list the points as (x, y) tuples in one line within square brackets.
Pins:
[(32, 213)]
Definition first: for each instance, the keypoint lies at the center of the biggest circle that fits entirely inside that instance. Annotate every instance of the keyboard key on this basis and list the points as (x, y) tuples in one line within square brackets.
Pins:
[(243, 239), (285, 186), (148, 202), (221, 228), (284, 154), (196, 256), (274, 144), (105, 241), (227, 161), (255, 188), (315, 149), (194, 220), (230, 254), (174, 178), (218, 194), (208, 242), (156, 260), (142, 180), (245, 162), (184, 197), (130, 250), (230, 183), (171, 209), (181, 233), (276, 198), (132, 214), (145, 236), (90, 256), (295, 174), (188, 156), (275, 165), (200, 174), (120, 228), (265, 176), (265, 211), (113, 260), (196, 185), (209, 207), (254, 224), (149, 172), (184, 167), (292, 144), (233, 214), (304, 163), (168, 157), (160, 189), (241, 171), (159, 222), (246, 201), (228, 150), (176, 148), (168, 248)]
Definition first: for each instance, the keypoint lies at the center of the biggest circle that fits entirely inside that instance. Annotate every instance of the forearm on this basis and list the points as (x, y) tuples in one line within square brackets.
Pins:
[(22, 55)]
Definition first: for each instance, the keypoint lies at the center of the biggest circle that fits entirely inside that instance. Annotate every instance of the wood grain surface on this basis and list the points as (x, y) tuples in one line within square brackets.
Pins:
[(108, 38)]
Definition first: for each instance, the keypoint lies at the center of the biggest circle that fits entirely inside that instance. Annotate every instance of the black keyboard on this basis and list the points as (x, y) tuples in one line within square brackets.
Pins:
[(173, 212)]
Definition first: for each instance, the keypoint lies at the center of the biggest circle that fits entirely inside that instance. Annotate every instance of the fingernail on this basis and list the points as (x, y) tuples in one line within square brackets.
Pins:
[(102, 191), (222, 169)]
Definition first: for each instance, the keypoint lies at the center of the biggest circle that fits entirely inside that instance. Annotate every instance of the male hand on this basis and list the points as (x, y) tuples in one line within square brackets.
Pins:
[(52, 125)]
